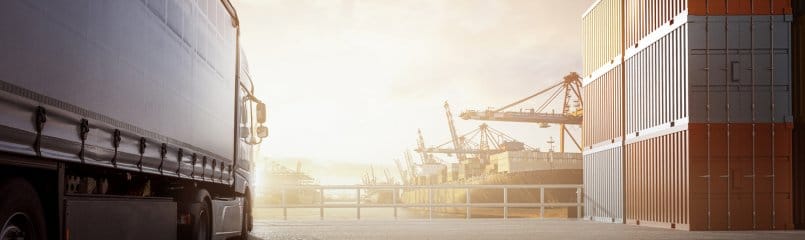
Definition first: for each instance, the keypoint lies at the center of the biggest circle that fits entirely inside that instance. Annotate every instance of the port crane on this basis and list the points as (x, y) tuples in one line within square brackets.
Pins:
[(482, 142), (403, 171), (569, 88)]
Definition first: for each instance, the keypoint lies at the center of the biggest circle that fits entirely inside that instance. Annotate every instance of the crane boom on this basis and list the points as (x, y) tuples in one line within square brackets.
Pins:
[(527, 98), (525, 116), (569, 88)]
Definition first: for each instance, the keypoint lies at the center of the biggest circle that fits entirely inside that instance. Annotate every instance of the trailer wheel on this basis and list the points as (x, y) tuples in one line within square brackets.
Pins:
[(21, 213)]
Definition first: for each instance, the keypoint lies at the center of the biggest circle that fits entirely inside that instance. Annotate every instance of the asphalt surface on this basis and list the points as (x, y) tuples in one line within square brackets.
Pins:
[(487, 229)]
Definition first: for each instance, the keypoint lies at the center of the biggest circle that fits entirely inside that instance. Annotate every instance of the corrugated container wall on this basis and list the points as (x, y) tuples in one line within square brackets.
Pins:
[(603, 123), (603, 192), (740, 94), (734, 175), (732, 71), (602, 35), (708, 119), (798, 64), (643, 17), (657, 183), (602, 114), (656, 82)]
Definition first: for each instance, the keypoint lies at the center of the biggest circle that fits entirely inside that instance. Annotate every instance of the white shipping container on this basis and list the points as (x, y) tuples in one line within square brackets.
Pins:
[(603, 189), (523, 161), (656, 82)]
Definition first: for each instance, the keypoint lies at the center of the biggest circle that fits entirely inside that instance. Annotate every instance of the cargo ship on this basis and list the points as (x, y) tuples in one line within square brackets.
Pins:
[(277, 175), (508, 167), (384, 196), (486, 156)]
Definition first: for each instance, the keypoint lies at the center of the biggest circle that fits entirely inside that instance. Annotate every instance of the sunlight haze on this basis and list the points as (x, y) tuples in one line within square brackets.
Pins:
[(348, 83)]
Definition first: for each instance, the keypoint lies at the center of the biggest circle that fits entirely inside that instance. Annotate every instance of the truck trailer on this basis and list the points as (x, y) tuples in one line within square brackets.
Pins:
[(125, 119)]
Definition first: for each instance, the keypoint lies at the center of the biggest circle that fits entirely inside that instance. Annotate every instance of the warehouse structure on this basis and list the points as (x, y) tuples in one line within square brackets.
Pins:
[(689, 120)]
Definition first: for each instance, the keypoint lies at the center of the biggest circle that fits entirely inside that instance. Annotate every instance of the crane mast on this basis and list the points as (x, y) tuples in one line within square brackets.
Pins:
[(421, 147), (457, 144), (402, 171)]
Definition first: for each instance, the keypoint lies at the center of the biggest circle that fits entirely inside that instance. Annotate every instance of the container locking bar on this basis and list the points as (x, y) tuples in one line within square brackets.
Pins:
[(39, 124), (193, 159), (116, 143), (163, 151), (179, 161), (142, 144), (82, 133)]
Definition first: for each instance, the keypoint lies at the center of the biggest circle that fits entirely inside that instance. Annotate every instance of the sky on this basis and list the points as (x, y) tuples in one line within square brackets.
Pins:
[(348, 83)]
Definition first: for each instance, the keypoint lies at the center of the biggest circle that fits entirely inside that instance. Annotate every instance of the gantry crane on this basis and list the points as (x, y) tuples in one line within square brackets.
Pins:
[(481, 142), (570, 86)]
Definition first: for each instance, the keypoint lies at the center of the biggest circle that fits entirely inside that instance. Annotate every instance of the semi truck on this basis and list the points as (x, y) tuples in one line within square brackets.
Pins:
[(125, 119)]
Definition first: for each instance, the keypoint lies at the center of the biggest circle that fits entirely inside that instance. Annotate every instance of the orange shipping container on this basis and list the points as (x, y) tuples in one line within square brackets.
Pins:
[(739, 7), (734, 175), (657, 183), (602, 114), (714, 176)]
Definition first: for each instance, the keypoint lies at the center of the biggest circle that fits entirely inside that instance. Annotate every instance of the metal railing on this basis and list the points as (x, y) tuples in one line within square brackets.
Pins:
[(430, 204)]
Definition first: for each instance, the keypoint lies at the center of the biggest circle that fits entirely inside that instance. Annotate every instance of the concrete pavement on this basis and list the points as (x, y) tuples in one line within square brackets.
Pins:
[(487, 229)]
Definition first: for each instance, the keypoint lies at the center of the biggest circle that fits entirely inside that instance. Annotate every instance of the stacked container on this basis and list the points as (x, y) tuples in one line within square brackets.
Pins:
[(689, 122)]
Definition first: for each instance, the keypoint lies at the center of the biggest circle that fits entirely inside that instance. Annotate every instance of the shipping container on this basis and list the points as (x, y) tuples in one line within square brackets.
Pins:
[(708, 115), (739, 7), (603, 194), (602, 114), (644, 17), (657, 83), (524, 161), (736, 184), (602, 35), (656, 180), (742, 74)]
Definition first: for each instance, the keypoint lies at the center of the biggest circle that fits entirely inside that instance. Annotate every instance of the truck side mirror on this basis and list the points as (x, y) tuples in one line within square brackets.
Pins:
[(261, 112), (262, 132)]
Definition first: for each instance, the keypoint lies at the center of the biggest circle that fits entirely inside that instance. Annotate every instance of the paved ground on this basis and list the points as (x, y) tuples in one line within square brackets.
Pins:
[(487, 229)]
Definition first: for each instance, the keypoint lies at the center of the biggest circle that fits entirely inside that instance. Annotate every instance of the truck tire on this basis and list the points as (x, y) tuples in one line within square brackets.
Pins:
[(246, 222), (202, 228), (21, 214), (202, 216)]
